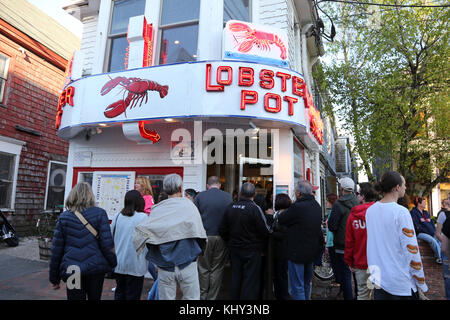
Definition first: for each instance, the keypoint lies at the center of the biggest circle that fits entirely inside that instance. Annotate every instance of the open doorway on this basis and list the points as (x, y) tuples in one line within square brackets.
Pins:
[(252, 162)]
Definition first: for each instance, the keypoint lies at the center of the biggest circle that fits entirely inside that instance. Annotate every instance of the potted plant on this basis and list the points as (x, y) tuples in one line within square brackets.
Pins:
[(46, 226)]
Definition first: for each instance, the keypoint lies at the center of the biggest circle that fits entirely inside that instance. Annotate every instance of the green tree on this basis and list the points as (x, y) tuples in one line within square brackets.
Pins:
[(389, 82)]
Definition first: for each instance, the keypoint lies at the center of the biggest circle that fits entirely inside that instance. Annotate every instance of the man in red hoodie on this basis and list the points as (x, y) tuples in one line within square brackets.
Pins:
[(356, 239)]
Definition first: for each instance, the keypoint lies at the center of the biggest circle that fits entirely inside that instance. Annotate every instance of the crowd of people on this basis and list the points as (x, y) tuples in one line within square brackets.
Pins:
[(186, 238)]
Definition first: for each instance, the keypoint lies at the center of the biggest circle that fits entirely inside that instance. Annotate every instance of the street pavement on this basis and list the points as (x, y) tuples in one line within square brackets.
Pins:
[(24, 276)]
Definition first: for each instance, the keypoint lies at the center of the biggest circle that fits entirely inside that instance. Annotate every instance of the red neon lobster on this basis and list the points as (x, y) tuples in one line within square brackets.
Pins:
[(137, 90), (261, 39)]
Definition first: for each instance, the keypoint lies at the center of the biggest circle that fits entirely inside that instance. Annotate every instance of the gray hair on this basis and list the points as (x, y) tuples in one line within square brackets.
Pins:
[(304, 187), (213, 180), (172, 184), (248, 190)]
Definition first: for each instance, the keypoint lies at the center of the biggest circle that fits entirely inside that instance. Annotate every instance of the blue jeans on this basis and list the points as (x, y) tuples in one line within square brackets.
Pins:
[(344, 273), (434, 243), (300, 277), (446, 274), (152, 270)]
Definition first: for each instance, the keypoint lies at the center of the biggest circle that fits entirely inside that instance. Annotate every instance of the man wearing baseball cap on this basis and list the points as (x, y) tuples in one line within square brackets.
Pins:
[(337, 223)]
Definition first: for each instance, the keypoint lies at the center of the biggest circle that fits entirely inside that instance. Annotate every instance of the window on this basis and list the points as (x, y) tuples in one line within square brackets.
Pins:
[(299, 162), (4, 63), (55, 184), (86, 177), (6, 179), (10, 150), (236, 10), (179, 31), (122, 11)]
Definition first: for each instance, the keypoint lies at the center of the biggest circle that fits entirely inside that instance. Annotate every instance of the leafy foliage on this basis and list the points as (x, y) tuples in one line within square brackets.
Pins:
[(389, 82)]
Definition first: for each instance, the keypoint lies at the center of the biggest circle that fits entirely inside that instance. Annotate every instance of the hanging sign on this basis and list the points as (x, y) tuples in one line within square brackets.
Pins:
[(252, 42), (214, 89)]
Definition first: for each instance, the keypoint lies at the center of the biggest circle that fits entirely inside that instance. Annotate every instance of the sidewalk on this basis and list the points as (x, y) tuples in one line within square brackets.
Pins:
[(23, 276)]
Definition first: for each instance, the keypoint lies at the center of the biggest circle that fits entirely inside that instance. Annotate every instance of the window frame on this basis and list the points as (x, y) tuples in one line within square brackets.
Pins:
[(4, 79), (302, 148), (48, 180), (163, 27), (250, 10), (112, 36), (13, 147)]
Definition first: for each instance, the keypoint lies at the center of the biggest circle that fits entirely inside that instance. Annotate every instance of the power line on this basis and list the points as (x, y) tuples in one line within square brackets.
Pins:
[(388, 5)]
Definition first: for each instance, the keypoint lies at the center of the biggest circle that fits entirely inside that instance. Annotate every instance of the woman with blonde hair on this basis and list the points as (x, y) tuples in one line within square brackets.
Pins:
[(82, 247), (142, 184)]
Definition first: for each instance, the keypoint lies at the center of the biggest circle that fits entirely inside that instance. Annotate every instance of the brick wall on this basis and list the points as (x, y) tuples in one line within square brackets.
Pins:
[(433, 272), (32, 92)]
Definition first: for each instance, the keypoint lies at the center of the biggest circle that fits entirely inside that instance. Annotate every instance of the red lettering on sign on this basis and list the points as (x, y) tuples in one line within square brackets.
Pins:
[(315, 124), (307, 98), (66, 97), (267, 81), (284, 77), (246, 76), (229, 72), (209, 86), (147, 34), (267, 106), (245, 100), (298, 86), (266, 77), (290, 101)]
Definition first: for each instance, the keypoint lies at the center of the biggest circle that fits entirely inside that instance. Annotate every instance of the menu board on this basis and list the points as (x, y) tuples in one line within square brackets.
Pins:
[(110, 188)]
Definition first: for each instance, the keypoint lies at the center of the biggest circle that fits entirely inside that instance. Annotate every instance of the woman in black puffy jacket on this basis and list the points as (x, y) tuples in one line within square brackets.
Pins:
[(78, 257)]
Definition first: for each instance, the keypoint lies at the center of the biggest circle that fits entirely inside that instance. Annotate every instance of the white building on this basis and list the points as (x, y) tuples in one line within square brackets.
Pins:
[(149, 67)]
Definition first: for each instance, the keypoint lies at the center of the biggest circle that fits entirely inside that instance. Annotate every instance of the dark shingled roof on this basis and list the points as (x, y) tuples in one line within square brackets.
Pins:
[(38, 25)]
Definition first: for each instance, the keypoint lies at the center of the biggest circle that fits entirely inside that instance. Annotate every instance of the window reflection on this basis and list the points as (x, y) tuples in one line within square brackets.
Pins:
[(179, 31), (118, 51), (175, 11), (122, 12), (179, 44), (236, 10)]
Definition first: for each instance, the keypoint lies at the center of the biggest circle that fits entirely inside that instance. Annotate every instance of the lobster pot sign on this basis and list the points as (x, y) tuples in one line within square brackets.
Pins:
[(258, 43), (198, 90)]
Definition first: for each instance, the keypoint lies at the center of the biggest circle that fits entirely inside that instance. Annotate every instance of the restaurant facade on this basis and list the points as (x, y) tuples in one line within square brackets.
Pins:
[(197, 88)]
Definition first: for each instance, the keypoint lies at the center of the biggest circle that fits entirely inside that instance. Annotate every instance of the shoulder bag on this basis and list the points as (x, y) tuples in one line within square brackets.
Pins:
[(86, 224)]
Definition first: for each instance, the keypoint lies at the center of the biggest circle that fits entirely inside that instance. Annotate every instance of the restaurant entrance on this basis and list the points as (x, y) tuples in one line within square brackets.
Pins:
[(253, 163)]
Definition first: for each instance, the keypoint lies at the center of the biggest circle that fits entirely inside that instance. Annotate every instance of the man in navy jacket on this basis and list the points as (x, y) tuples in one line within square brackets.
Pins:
[(303, 240), (245, 230)]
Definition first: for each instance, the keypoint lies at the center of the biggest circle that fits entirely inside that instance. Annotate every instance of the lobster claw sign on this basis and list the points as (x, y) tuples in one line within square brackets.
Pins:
[(258, 43)]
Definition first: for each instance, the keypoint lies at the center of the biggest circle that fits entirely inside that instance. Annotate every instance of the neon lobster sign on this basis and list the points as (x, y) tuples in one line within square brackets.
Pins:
[(266, 80)]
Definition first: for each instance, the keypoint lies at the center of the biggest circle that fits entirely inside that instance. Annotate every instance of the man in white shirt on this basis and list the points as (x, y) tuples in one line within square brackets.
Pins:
[(393, 254)]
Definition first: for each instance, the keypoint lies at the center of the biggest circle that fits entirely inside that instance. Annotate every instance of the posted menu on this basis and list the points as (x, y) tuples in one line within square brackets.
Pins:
[(110, 188)]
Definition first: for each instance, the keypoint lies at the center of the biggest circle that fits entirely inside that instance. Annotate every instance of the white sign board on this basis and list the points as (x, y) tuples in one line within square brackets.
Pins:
[(253, 42), (110, 188)]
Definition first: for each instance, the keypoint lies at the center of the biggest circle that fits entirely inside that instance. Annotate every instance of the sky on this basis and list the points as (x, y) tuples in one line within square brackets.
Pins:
[(54, 9)]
